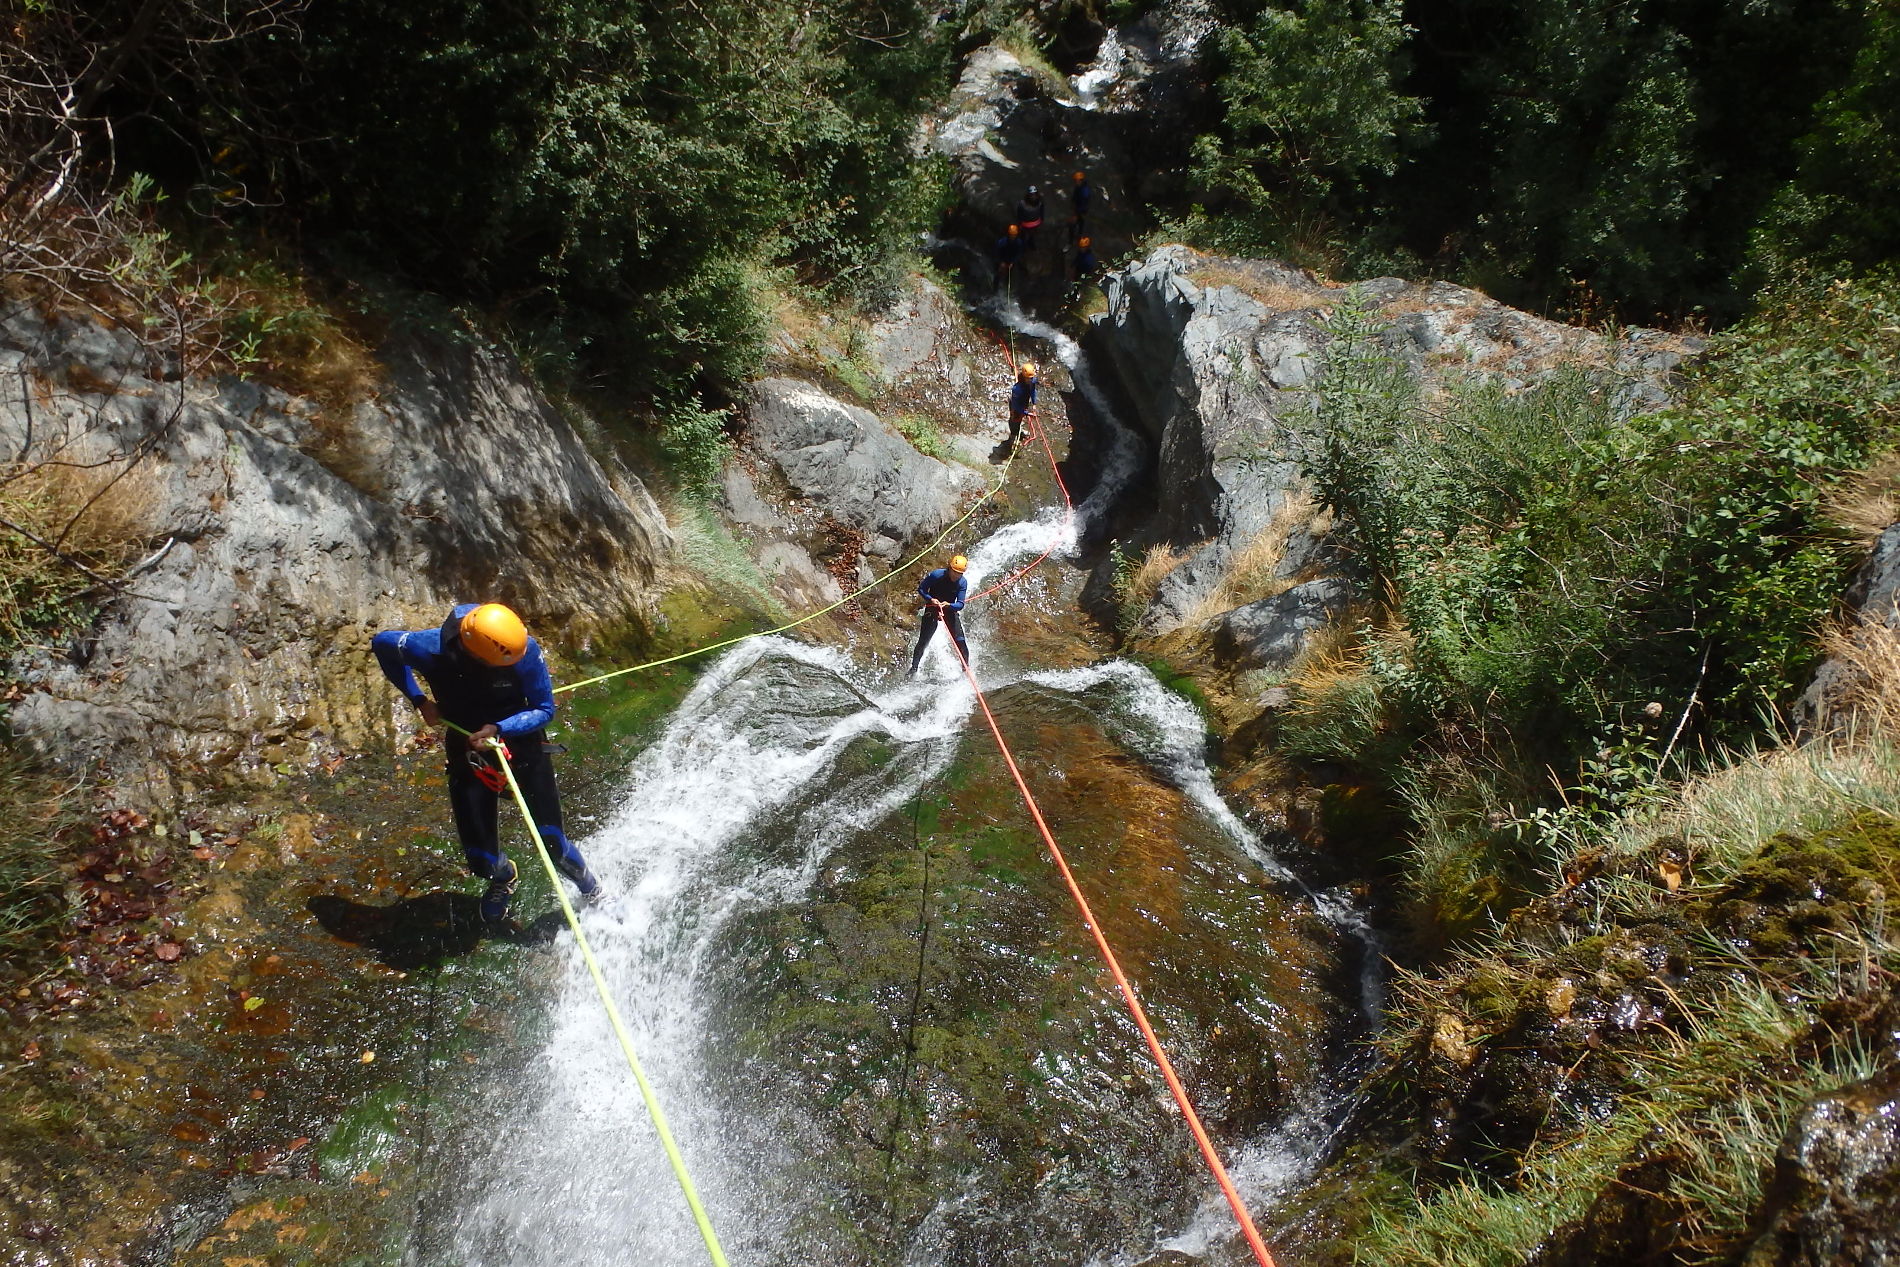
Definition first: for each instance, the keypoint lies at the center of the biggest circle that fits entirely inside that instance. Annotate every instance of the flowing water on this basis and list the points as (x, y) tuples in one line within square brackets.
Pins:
[(878, 1034)]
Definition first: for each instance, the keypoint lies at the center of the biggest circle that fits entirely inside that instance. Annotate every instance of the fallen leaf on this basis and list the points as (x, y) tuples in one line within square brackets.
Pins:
[(202, 853), (31, 1051), (1671, 873), (367, 1057), (253, 1003), (168, 951)]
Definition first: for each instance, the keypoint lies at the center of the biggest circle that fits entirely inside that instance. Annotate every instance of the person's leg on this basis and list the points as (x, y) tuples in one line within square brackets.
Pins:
[(925, 628), (954, 622), (475, 808), (1015, 425), (534, 770)]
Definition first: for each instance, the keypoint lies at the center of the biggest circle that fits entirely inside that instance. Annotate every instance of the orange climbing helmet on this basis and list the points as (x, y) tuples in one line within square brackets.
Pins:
[(1013, 230), (1026, 370), (1079, 178), (1083, 243), (959, 564), (494, 635)]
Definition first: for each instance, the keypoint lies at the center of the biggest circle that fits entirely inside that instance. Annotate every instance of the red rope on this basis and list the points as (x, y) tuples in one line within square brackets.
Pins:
[(1211, 1157), (1035, 424)]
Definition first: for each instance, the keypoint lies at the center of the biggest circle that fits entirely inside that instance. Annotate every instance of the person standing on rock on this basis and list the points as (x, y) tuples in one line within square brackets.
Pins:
[(1022, 398), (488, 677), (1009, 250), (1029, 217), (1080, 200), (1084, 261), (943, 592)]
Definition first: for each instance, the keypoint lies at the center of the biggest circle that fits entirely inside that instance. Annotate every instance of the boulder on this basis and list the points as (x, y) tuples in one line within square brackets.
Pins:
[(854, 468), (1269, 634), (1835, 1197)]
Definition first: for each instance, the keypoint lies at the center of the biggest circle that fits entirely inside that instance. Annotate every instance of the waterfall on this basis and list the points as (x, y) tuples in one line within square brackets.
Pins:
[(736, 809)]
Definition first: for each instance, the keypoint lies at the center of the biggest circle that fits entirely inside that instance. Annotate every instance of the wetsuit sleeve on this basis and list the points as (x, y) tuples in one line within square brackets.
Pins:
[(923, 586), (538, 689), (963, 587), (389, 646)]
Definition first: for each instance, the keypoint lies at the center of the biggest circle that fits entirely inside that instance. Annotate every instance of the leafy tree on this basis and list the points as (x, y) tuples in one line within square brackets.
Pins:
[(1311, 104), (610, 166), (1842, 209)]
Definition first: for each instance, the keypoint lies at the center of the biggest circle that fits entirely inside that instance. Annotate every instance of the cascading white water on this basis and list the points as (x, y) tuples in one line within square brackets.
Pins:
[(574, 1174)]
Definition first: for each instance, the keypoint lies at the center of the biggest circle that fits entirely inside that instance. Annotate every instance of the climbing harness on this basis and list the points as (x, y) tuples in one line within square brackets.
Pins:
[(486, 772), (1181, 1100)]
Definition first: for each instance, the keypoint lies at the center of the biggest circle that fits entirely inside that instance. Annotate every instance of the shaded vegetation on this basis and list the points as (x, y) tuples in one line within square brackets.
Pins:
[(1651, 161)]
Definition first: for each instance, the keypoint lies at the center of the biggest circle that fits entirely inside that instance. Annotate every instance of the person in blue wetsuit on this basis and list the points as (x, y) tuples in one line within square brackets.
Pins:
[(488, 677), (1022, 398), (943, 593)]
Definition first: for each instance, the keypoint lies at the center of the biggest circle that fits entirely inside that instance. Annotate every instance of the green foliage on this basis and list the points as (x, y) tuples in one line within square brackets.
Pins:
[(1584, 154), (1570, 577), (923, 433), (1557, 559), (695, 444), (609, 167), (1842, 209), (1311, 103)]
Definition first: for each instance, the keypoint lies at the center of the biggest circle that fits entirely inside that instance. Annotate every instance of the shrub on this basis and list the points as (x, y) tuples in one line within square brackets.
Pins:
[(695, 445), (1565, 576)]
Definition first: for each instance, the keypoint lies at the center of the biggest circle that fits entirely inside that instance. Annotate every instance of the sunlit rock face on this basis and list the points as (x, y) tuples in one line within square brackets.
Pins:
[(283, 532)]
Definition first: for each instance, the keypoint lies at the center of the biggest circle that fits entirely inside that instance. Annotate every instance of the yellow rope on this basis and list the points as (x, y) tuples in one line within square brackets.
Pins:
[(907, 564), (613, 1016)]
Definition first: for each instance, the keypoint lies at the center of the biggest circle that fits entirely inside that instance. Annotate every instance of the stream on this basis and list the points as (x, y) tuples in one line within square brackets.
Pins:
[(878, 1030)]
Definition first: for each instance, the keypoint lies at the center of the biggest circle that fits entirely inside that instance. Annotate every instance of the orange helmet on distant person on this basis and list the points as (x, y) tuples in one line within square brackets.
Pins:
[(959, 564), (1026, 370), (1079, 178), (1013, 230), (494, 635), (1083, 243)]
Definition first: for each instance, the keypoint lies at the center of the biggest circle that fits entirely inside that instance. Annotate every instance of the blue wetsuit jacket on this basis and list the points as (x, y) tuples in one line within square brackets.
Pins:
[(946, 587), (1022, 397), (517, 698)]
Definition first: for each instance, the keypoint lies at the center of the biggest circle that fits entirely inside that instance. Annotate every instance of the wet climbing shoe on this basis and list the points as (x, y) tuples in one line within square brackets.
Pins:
[(500, 890), (592, 890)]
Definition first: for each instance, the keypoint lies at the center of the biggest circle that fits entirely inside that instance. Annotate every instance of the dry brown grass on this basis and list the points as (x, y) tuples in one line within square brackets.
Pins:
[(68, 530), (1249, 576), (1146, 578), (97, 510), (1868, 503), (1276, 295), (1871, 652)]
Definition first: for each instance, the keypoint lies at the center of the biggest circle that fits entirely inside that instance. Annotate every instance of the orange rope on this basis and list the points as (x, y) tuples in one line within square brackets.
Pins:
[(1135, 1009), (1035, 424)]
